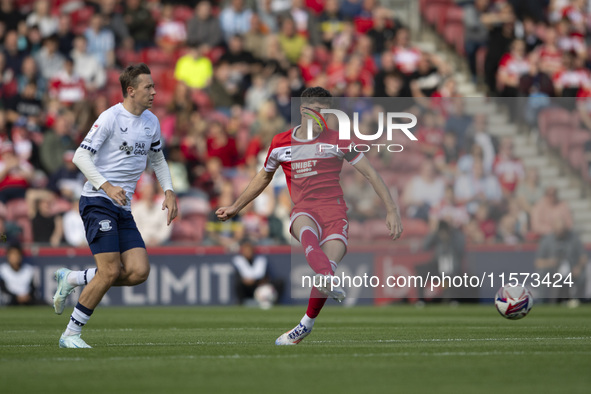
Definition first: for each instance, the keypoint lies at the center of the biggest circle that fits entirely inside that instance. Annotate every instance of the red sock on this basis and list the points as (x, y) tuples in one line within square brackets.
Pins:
[(314, 255), (315, 303)]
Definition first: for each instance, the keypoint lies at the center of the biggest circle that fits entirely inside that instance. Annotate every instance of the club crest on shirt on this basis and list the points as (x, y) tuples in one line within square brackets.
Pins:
[(149, 132), (105, 225)]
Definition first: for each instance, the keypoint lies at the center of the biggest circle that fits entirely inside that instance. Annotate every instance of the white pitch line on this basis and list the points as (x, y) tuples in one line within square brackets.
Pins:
[(340, 355)]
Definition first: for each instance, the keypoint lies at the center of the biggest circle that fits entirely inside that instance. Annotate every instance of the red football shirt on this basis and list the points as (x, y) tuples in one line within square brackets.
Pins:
[(312, 167)]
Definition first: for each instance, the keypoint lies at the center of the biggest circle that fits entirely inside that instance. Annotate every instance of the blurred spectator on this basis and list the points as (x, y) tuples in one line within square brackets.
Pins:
[(548, 56), (223, 90), (561, 251), (227, 234), (386, 67), (26, 109), (478, 133), (423, 191), (100, 41), (29, 73), (48, 59), (406, 57), (66, 86), (47, 225), (500, 22), (193, 68), (448, 245), (74, 232), (548, 210), (42, 18), (508, 168), (267, 16), (56, 142), (204, 27), (573, 76), (537, 87), (449, 211), (13, 57), (526, 30), (257, 94), (330, 22), (115, 22), (458, 121), (305, 21), (430, 134), (513, 225), (529, 191), (64, 34), (87, 66), (17, 279), (10, 16), (238, 58), (476, 32), (151, 219), (482, 228), (292, 43), (255, 225), (382, 32), (282, 98), (178, 171), (170, 33), (446, 158), (252, 270), (221, 145), (476, 188), (512, 67), (15, 174), (466, 160), (34, 40), (140, 24), (255, 40), (67, 181), (426, 79), (235, 19)]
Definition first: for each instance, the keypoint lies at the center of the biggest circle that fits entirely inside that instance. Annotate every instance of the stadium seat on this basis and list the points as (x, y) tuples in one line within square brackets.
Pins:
[(551, 117), (183, 13), (201, 98), (576, 157), (435, 10), (155, 56), (576, 138), (60, 206)]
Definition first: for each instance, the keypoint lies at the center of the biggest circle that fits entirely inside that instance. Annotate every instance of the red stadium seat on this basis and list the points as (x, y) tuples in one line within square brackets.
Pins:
[(183, 13), (551, 117), (156, 56), (27, 228), (201, 98)]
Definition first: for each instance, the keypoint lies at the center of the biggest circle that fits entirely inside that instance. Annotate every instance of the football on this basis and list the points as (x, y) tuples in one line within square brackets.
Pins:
[(265, 295), (513, 302)]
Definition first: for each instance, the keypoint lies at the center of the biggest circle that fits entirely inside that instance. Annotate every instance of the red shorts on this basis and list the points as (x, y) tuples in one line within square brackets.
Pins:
[(330, 216)]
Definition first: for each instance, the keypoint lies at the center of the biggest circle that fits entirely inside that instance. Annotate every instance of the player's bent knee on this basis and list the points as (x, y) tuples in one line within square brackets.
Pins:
[(109, 274), (141, 275)]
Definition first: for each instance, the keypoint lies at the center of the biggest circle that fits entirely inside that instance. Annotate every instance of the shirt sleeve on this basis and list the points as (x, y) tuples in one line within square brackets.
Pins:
[(156, 145), (100, 131), (271, 162), (347, 151)]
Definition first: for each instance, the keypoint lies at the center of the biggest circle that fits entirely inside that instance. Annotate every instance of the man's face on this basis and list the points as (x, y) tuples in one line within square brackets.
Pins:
[(144, 93), (309, 116)]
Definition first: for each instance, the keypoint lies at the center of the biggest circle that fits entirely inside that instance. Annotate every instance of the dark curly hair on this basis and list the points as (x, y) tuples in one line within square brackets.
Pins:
[(316, 95)]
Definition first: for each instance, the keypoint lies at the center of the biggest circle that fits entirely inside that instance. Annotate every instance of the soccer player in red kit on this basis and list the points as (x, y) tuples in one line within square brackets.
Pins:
[(318, 219)]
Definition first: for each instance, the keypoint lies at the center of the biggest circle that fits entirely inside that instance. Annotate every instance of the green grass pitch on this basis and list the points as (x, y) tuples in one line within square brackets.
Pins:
[(394, 349)]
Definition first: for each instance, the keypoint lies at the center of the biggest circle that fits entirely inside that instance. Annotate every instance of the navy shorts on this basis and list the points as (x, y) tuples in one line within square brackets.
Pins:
[(108, 228)]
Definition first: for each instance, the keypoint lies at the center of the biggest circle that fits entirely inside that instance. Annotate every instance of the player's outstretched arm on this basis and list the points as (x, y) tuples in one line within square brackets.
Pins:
[(163, 175), (393, 221), (254, 188)]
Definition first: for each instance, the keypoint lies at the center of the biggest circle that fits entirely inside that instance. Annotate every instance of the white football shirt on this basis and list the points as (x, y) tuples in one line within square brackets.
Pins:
[(120, 142)]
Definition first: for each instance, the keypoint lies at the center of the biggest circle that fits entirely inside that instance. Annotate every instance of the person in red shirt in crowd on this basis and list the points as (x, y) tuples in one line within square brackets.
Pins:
[(430, 134), (482, 229), (67, 87), (573, 77), (309, 65), (548, 55), (221, 145), (508, 169), (15, 174), (512, 66)]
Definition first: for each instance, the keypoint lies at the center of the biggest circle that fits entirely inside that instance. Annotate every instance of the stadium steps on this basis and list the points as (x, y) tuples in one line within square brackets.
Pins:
[(532, 150)]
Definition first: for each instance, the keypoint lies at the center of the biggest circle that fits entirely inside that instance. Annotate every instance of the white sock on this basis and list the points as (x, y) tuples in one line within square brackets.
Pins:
[(81, 278), (79, 318), (333, 265), (307, 321)]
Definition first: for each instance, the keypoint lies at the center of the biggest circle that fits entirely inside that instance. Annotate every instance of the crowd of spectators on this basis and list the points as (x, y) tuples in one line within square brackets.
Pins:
[(225, 73)]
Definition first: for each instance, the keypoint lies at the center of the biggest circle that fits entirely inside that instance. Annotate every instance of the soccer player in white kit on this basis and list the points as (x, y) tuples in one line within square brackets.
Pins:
[(112, 157)]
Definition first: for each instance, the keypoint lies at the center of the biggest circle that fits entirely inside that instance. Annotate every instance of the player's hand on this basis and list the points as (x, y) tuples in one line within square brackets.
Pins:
[(116, 193), (225, 213), (394, 224), (170, 203)]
